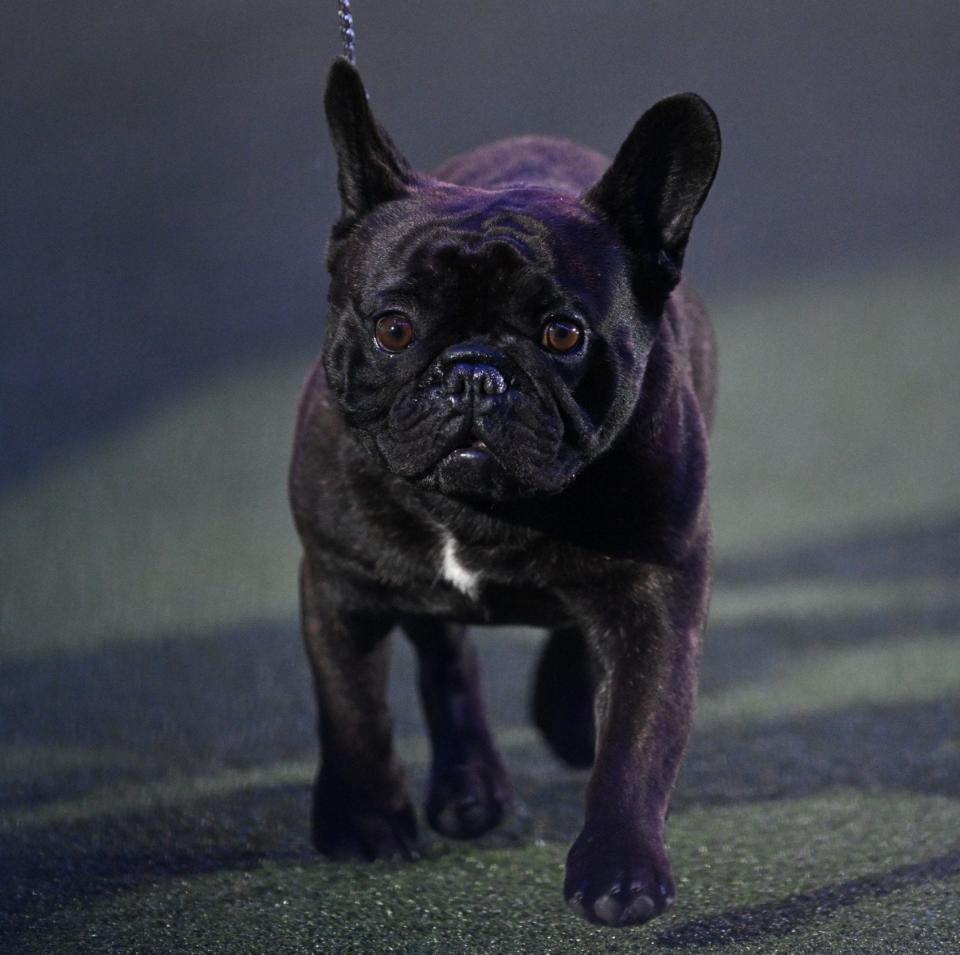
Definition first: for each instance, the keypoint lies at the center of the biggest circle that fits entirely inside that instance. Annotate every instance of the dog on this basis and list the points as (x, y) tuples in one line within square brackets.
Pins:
[(509, 424)]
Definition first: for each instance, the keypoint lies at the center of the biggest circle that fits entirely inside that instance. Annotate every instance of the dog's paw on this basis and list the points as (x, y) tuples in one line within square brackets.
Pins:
[(354, 834), (467, 801), (617, 881)]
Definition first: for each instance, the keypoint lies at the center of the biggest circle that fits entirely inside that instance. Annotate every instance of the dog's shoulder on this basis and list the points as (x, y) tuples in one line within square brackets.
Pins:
[(318, 434)]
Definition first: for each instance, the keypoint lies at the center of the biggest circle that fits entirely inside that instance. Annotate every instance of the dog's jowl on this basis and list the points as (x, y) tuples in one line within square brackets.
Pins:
[(508, 424)]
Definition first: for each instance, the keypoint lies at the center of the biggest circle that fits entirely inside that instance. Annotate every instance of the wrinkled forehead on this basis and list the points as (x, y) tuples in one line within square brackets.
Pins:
[(541, 241)]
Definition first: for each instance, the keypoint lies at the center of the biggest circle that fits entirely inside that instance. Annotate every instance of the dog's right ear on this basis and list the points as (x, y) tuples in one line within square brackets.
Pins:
[(370, 169)]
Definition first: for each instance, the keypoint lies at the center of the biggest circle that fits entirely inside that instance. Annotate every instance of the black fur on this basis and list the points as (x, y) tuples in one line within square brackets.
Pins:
[(566, 490)]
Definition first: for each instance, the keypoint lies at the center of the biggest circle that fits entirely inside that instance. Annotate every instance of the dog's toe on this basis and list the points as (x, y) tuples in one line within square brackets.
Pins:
[(619, 906), (468, 801), (618, 885), (349, 834)]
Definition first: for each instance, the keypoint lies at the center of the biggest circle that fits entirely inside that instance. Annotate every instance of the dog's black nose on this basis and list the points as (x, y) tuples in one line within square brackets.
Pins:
[(464, 378), (472, 370)]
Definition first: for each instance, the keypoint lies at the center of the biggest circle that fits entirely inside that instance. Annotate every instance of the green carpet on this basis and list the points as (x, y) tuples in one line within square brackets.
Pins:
[(157, 723)]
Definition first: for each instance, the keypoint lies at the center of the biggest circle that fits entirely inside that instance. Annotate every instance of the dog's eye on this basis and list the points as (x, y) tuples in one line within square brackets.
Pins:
[(394, 331), (561, 335)]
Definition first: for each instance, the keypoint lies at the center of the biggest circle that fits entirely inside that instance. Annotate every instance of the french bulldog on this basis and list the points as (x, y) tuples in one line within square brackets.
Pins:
[(508, 425)]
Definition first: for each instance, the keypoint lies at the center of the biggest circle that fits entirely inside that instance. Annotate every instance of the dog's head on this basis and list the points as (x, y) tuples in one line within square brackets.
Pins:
[(491, 344)]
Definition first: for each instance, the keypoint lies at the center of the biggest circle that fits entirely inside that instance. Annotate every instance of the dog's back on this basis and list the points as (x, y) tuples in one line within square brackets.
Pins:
[(544, 161)]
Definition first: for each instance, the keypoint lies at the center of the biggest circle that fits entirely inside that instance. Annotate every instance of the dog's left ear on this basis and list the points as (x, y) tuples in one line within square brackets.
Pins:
[(370, 169), (660, 179)]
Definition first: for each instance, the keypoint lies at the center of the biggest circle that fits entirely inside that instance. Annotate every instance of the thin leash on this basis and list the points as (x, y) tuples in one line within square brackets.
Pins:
[(347, 36)]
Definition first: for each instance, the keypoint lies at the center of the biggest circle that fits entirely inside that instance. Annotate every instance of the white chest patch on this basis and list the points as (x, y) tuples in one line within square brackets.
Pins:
[(452, 571)]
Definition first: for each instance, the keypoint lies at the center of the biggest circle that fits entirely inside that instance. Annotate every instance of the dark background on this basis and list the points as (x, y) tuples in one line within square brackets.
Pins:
[(166, 181)]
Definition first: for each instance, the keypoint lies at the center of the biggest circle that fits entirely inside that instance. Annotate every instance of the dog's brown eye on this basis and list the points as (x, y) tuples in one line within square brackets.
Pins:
[(561, 335), (394, 332)]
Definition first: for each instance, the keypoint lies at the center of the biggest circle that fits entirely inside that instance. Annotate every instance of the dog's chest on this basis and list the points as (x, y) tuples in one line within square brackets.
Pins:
[(490, 585), (452, 569)]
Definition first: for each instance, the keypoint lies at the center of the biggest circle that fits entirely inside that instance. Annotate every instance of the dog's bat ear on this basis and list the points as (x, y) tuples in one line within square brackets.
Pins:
[(370, 169), (660, 178)]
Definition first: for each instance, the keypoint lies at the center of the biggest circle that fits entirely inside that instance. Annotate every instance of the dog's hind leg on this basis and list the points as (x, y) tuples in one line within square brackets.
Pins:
[(563, 692), (468, 790)]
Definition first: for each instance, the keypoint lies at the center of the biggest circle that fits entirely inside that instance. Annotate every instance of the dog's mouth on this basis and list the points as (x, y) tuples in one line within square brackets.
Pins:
[(477, 451), (493, 456), (471, 470)]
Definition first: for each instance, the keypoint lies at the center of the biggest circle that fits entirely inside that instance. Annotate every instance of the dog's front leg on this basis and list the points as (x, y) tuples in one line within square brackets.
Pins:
[(469, 791), (360, 806), (618, 871)]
